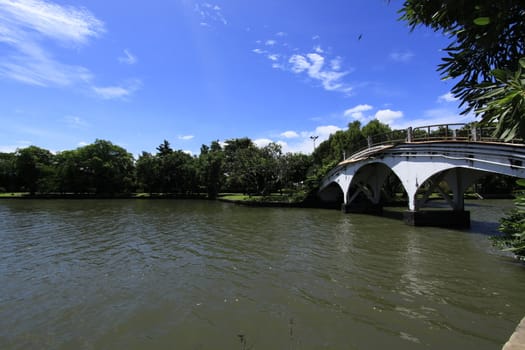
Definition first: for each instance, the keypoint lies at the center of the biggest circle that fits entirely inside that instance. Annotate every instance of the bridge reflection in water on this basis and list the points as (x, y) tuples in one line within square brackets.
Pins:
[(442, 159)]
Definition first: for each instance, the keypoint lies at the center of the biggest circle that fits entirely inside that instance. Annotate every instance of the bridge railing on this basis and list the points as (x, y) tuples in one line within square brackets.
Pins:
[(437, 132)]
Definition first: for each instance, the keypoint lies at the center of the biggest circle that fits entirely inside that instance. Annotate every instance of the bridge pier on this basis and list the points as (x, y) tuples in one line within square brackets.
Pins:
[(438, 218), (362, 208)]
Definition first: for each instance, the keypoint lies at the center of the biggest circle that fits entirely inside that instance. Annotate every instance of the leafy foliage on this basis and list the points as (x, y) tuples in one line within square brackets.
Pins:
[(485, 55), (504, 102), (513, 228)]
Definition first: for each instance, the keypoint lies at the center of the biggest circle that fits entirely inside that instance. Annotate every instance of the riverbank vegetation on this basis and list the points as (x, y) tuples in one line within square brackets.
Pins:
[(237, 166)]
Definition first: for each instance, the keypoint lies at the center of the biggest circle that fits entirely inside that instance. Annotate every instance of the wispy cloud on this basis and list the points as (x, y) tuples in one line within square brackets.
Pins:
[(290, 134), (316, 64), (186, 137), (66, 24), (448, 97), (28, 26), (117, 91), (313, 64), (25, 24), (210, 14), (357, 112), (401, 56), (128, 58)]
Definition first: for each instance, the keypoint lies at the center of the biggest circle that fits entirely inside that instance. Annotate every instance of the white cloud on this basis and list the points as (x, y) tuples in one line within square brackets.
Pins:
[(270, 42), (436, 116), (281, 34), (43, 71), (448, 97), (117, 91), (262, 142), (210, 13), (324, 131), (402, 56), (258, 51), (388, 116), (336, 63), (186, 137), (26, 24), (128, 58), (82, 144), (313, 65), (357, 112), (273, 57), (318, 49), (65, 24), (290, 134)]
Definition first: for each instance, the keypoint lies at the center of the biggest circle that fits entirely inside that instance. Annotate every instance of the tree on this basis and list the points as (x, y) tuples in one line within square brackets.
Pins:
[(35, 169), (71, 175), (512, 227), (148, 172), (504, 102), (108, 168), (487, 38), (7, 172), (374, 128), (211, 163)]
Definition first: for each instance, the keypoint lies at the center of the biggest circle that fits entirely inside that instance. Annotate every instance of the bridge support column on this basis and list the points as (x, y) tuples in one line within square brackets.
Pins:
[(362, 208), (438, 218)]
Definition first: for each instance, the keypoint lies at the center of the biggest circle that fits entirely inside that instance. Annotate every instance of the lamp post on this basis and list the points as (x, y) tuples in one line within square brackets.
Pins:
[(313, 139)]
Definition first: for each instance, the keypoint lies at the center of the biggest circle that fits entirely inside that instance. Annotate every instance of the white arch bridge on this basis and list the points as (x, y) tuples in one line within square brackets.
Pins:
[(443, 159)]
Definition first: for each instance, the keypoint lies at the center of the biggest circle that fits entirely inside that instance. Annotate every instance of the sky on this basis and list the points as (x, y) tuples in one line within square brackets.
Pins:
[(192, 72)]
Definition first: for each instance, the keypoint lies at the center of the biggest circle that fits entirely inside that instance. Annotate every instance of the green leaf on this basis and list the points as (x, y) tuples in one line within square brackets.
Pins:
[(522, 62), (482, 21)]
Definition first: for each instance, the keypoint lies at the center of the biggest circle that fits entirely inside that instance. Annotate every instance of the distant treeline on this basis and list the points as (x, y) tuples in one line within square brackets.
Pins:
[(238, 166)]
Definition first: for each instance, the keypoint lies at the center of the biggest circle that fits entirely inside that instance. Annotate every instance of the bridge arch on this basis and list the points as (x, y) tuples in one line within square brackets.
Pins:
[(447, 167), (369, 180)]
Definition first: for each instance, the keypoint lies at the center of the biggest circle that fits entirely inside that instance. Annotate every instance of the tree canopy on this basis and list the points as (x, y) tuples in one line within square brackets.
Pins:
[(487, 39)]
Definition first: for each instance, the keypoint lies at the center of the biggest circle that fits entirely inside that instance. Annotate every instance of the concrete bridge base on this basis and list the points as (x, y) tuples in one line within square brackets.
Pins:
[(362, 208), (438, 218)]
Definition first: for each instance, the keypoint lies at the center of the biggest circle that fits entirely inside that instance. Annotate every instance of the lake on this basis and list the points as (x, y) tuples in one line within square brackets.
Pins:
[(189, 274)]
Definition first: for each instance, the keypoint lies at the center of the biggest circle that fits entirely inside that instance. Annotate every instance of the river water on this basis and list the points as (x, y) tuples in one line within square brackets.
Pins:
[(169, 274)]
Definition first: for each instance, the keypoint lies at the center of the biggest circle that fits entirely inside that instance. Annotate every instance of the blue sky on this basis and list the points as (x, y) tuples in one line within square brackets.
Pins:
[(191, 72)]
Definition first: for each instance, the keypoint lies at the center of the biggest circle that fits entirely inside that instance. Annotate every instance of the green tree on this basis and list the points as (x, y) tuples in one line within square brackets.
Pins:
[(108, 168), (8, 172), (512, 227), (487, 40), (148, 169), (72, 176), (504, 102), (35, 169), (211, 173), (295, 168), (374, 128)]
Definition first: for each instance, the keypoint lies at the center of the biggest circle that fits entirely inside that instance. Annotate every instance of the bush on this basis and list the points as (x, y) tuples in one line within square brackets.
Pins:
[(512, 227)]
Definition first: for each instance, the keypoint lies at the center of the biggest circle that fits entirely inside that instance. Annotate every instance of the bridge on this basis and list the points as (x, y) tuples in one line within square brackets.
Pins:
[(444, 159)]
